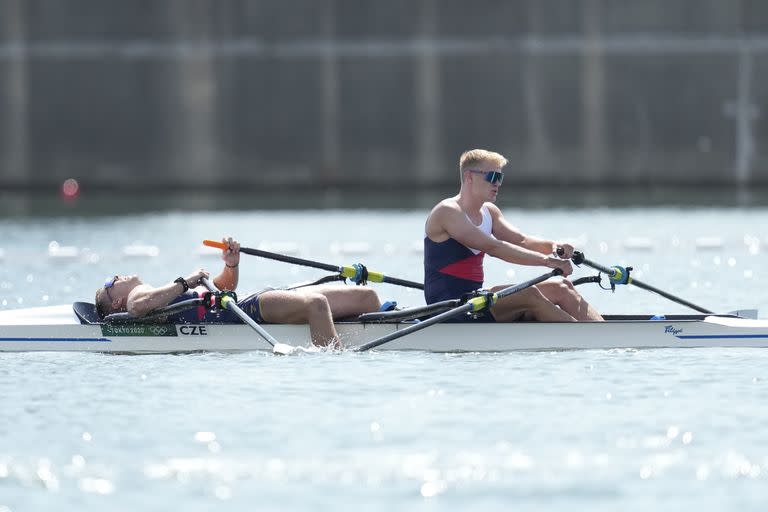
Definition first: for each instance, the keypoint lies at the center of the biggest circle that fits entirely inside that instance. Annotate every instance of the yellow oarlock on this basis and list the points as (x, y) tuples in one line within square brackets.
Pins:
[(226, 300), (481, 302), (352, 273)]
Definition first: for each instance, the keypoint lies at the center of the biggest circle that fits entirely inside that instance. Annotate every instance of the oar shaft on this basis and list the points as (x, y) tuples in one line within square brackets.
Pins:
[(475, 304), (640, 284), (290, 259), (229, 303), (375, 277), (402, 282), (671, 297), (413, 328)]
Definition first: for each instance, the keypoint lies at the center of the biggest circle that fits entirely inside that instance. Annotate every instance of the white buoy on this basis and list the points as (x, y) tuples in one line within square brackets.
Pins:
[(351, 248), (639, 243), (709, 242), (140, 251), (58, 251)]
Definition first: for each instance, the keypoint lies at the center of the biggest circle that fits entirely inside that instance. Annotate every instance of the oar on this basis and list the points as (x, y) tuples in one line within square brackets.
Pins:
[(621, 275), (472, 305), (228, 302), (356, 273)]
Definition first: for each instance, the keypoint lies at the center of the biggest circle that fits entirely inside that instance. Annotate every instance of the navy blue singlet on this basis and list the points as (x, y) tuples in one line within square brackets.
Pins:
[(452, 269)]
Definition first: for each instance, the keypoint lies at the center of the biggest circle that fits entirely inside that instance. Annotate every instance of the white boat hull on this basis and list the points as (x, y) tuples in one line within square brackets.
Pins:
[(57, 329)]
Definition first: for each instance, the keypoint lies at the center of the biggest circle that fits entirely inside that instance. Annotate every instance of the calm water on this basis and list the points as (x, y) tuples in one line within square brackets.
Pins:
[(597, 430)]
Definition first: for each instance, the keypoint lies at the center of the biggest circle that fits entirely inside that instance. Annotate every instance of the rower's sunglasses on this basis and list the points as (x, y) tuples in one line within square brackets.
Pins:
[(109, 283), (492, 177)]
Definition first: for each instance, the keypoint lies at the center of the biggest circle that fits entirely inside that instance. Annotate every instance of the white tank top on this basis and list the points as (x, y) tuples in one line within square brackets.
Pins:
[(486, 225)]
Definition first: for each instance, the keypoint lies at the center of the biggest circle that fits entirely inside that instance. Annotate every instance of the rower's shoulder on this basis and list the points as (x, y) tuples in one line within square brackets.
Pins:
[(443, 214), (449, 204)]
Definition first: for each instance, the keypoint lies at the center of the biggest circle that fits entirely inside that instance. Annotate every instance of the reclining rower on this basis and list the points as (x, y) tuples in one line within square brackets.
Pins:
[(314, 305)]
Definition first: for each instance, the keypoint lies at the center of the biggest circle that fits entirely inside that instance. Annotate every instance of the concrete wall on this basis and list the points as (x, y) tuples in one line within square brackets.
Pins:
[(230, 93)]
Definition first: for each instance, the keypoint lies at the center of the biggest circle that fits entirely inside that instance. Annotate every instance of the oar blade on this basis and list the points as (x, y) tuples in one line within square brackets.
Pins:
[(283, 349)]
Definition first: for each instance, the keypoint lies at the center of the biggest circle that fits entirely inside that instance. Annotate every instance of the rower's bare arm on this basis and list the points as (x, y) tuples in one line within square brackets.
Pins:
[(463, 231), (539, 245), (503, 230), (228, 279), (146, 298), (230, 274)]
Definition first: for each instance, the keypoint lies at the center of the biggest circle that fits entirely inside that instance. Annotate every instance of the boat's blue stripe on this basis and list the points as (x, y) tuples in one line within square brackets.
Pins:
[(73, 340), (723, 336)]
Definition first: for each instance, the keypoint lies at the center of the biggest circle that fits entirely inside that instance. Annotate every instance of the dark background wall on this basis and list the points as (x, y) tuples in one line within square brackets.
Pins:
[(311, 93)]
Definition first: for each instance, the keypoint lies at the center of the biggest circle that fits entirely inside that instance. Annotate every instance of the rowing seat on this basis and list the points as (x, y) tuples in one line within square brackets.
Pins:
[(86, 313)]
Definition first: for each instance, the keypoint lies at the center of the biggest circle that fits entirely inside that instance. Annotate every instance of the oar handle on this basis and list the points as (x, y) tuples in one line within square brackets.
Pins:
[(351, 272), (275, 256)]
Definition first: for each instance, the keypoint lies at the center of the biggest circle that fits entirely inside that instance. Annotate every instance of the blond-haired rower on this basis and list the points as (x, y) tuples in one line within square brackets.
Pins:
[(461, 229)]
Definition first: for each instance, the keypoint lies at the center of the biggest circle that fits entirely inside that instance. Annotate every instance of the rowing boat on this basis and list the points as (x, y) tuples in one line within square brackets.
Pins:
[(75, 328)]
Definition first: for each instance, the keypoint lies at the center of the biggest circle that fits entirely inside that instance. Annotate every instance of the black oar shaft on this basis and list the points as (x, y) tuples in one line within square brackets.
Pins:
[(331, 268), (402, 282), (639, 284), (671, 297), (464, 308), (290, 259), (416, 327)]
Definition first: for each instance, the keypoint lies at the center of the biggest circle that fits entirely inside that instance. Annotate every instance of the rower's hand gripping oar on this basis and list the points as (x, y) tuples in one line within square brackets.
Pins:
[(472, 305), (622, 275), (228, 302), (357, 273)]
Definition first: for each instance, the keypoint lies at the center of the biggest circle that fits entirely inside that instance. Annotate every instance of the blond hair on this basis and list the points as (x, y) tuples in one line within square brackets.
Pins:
[(471, 158)]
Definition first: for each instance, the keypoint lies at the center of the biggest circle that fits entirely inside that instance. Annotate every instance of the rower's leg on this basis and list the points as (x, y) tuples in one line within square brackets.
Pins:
[(530, 301), (564, 294), (348, 301), (299, 307)]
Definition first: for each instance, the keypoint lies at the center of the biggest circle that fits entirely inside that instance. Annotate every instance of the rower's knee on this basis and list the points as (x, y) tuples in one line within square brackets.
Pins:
[(564, 290), (367, 300), (533, 297), (532, 294), (317, 304)]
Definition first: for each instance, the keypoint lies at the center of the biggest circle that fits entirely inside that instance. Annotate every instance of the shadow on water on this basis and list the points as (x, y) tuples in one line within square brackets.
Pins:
[(18, 204)]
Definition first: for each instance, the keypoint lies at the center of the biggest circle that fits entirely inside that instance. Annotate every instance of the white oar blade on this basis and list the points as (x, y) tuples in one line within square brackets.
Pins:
[(283, 349)]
